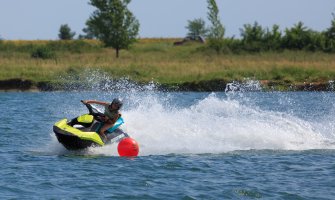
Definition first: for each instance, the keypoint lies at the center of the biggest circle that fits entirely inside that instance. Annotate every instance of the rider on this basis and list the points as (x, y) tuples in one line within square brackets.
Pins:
[(111, 113)]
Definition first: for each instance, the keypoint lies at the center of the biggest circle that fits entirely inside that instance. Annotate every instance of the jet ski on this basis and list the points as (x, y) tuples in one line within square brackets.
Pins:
[(82, 132)]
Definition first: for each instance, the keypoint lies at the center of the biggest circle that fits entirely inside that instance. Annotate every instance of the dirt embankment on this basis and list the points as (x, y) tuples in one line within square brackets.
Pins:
[(201, 86)]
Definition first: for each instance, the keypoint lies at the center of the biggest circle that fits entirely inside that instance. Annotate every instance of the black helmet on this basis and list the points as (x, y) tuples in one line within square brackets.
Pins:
[(117, 102)]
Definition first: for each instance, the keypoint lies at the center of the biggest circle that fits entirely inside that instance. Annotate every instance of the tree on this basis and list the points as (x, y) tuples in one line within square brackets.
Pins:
[(298, 37), (65, 32), (196, 27), (252, 32), (1, 40), (252, 37), (216, 31), (273, 38), (330, 36), (113, 24), (88, 34)]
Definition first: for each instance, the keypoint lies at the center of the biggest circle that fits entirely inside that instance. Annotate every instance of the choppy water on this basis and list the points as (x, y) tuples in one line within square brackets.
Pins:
[(241, 145)]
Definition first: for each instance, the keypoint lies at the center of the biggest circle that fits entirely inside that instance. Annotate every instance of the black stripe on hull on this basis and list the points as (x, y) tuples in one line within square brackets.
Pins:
[(70, 141)]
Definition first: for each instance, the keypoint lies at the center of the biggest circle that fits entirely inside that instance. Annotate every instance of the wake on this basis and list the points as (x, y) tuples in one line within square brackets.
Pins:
[(163, 124), (215, 125)]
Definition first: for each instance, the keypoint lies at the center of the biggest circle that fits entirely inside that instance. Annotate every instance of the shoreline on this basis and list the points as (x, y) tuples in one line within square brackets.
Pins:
[(216, 85)]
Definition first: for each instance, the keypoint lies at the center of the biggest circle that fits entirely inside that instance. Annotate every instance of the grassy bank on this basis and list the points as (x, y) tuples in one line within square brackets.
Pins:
[(160, 61)]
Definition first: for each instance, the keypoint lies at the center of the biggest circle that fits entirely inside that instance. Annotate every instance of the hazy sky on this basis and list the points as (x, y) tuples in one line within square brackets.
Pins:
[(41, 19)]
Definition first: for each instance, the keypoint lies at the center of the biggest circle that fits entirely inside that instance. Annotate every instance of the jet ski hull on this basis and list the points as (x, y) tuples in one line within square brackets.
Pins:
[(70, 141), (75, 139)]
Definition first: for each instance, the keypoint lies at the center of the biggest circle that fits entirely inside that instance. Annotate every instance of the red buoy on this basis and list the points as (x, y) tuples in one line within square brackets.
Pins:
[(128, 147)]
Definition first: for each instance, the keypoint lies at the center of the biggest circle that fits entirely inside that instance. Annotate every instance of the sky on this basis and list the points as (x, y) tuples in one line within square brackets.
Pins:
[(41, 19)]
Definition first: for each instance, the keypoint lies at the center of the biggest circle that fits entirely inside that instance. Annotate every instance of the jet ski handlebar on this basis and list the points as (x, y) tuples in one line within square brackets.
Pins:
[(93, 111), (88, 106)]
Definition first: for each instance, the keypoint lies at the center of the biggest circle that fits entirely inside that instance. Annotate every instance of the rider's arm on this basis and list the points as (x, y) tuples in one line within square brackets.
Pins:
[(96, 102)]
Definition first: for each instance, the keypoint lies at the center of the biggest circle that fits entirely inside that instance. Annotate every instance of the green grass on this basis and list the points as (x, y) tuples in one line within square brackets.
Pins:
[(160, 61)]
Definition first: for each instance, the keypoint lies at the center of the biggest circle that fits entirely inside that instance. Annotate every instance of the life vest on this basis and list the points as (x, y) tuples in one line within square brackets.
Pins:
[(111, 114)]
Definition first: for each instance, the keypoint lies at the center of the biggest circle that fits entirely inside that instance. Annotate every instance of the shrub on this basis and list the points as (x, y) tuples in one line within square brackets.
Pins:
[(74, 46), (196, 28), (233, 45), (317, 41), (273, 39), (65, 32), (252, 37), (43, 53), (329, 35), (297, 38)]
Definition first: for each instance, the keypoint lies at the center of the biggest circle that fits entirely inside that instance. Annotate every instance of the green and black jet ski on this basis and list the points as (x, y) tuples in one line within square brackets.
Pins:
[(82, 132)]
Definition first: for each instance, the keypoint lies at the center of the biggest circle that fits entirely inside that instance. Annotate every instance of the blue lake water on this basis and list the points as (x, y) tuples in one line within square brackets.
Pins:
[(240, 145)]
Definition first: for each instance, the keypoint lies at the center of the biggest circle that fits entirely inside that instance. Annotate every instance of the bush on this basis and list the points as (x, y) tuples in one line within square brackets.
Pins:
[(65, 32), (233, 45), (196, 28), (297, 38), (329, 35), (216, 44), (272, 39), (252, 37), (43, 53), (74, 46), (317, 41)]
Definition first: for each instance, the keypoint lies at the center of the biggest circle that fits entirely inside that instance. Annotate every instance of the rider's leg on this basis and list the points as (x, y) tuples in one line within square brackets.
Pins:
[(104, 128)]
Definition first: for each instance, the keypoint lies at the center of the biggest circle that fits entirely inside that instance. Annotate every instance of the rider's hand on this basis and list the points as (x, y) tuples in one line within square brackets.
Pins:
[(105, 118)]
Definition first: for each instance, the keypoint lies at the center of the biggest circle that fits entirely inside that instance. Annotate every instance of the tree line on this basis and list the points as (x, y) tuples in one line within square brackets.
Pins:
[(115, 25), (255, 38)]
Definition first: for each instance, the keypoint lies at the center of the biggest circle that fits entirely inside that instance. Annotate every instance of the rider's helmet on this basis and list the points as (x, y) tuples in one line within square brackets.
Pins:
[(117, 102)]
